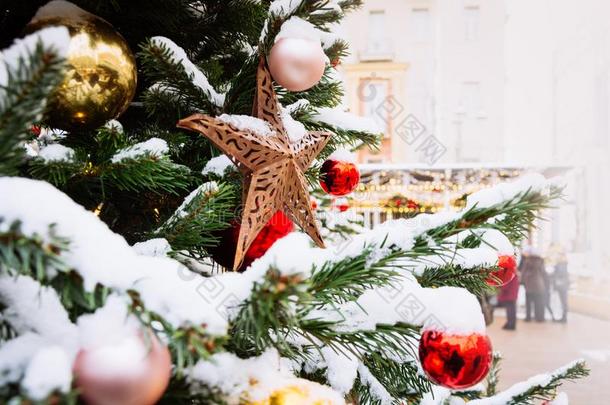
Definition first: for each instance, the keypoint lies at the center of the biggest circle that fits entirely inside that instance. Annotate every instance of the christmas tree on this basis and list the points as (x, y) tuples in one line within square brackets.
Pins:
[(158, 241)]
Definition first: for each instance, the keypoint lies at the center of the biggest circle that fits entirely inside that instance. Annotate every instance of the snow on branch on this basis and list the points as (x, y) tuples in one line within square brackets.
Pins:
[(218, 166), (155, 147), (257, 377), (346, 121), (102, 257), (178, 55), (55, 39), (41, 356), (536, 385)]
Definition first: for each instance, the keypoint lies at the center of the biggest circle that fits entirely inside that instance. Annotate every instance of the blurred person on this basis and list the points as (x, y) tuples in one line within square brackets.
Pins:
[(561, 283), (533, 278), (507, 298)]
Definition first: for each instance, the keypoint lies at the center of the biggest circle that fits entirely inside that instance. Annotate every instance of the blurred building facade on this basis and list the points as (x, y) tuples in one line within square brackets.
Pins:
[(495, 83)]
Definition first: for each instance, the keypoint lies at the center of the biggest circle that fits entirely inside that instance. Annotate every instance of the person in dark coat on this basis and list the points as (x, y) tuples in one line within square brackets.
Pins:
[(533, 278), (507, 298), (561, 284)]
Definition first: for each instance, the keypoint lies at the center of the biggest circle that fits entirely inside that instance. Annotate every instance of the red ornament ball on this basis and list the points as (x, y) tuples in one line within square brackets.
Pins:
[(224, 253), (508, 270), (339, 178), (36, 130), (455, 361), (140, 381)]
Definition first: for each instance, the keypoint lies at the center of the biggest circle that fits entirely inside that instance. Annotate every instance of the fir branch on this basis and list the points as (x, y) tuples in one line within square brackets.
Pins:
[(32, 256), (158, 64), (23, 101), (58, 173), (349, 278), (326, 93), (493, 377), (146, 173), (388, 340), (513, 217), (537, 388), (548, 390), (402, 380), (473, 279), (188, 344), (196, 228), (268, 316)]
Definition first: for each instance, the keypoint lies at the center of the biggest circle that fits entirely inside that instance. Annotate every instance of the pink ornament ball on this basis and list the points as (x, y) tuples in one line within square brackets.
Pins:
[(142, 381), (297, 64)]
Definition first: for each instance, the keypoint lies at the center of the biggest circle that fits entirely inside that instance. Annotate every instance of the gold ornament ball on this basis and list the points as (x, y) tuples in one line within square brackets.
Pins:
[(101, 76), (302, 393)]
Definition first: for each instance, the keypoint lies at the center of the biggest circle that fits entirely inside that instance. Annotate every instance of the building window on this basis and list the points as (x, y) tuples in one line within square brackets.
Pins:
[(470, 102), (420, 24), (377, 41), (602, 109), (375, 96), (471, 23)]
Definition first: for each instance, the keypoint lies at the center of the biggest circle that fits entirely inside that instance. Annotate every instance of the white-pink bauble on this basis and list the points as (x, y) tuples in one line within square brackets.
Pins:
[(297, 64), (135, 371)]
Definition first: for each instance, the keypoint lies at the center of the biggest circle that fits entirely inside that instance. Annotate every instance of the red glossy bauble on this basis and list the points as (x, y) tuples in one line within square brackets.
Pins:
[(36, 130), (508, 270), (143, 384), (224, 254), (339, 178), (455, 361)]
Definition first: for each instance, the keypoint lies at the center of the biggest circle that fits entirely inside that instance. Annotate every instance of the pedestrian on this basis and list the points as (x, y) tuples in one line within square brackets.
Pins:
[(533, 277), (561, 284), (507, 298)]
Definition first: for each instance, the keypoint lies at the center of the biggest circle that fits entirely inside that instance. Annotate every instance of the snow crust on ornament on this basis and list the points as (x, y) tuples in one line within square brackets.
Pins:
[(296, 27), (178, 55), (153, 147), (218, 166), (343, 155), (247, 123), (56, 153), (346, 121), (55, 7)]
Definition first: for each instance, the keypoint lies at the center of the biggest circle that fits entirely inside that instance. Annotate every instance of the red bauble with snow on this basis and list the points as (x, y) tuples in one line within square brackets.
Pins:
[(110, 376), (339, 175), (455, 361), (224, 254), (508, 270)]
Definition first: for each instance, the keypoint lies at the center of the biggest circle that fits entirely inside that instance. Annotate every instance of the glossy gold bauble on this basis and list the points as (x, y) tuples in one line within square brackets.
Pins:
[(100, 78), (302, 393)]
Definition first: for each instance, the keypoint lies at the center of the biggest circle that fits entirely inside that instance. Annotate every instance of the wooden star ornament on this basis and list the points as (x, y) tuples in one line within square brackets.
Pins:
[(273, 167)]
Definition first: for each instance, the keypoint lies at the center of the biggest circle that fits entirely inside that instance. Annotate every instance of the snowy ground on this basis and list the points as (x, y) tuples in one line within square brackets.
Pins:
[(535, 348)]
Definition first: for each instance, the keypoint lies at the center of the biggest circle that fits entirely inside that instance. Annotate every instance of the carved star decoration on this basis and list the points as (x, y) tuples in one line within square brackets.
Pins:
[(273, 167)]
